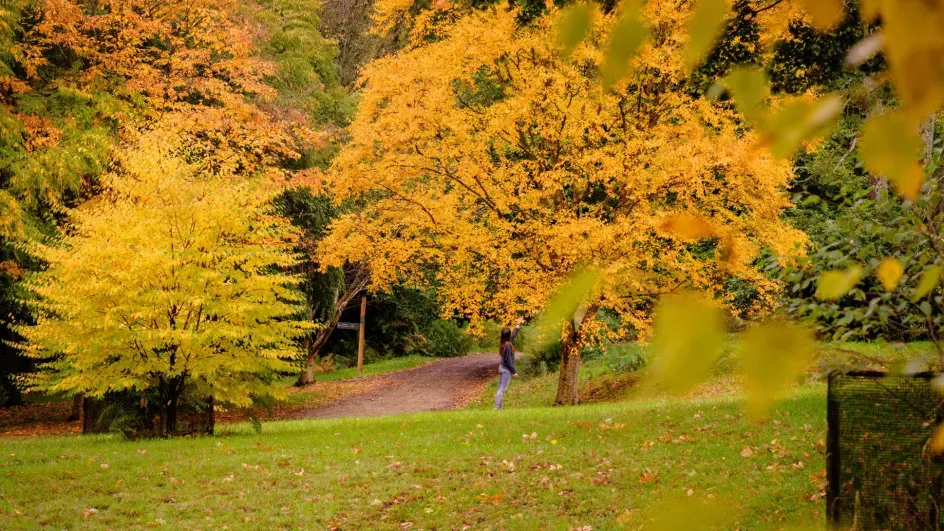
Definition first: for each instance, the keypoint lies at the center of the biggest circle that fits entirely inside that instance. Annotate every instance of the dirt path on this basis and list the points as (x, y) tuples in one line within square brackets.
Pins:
[(445, 384)]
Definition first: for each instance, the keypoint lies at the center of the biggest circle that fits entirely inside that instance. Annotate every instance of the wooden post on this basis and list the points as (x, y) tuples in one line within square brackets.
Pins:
[(360, 341)]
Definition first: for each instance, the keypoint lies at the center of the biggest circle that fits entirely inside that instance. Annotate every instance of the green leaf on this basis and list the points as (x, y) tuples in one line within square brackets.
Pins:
[(748, 87), (775, 354), (573, 27), (564, 304), (705, 26), (833, 285), (929, 281), (799, 121), (689, 333), (628, 36)]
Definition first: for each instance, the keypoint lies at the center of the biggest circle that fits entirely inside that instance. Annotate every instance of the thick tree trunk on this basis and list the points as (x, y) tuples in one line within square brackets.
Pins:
[(211, 417), (568, 385), (78, 401), (170, 426)]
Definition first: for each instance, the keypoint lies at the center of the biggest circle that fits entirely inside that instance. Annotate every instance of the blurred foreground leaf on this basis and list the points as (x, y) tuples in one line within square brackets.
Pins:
[(889, 273), (689, 333), (775, 354), (825, 13), (833, 285), (929, 281), (704, 28), (748, 87), (799, 121), (891, 146), (563, 306), (687, 227), (937, 440), (683, 513), (628, 36), (574, 26)]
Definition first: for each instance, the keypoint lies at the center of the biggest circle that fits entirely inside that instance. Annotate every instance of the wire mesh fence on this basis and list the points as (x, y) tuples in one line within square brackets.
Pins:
[(880, 469)]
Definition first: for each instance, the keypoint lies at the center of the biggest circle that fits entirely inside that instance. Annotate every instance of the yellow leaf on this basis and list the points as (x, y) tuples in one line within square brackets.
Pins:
[(689, 333), (687, 227), (704, 28), (748, 87), (929, 280), (573, 27), (890, 146), (825, 13), (627, 37), (774, 355), (833, 285), (889, 273), (937, 440)]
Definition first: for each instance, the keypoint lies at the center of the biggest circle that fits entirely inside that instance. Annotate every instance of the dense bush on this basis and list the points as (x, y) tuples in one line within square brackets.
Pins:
[(444, 339), (624, 357)]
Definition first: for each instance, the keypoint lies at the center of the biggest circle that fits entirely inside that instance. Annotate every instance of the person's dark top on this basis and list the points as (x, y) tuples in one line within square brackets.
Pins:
[(508, 354)]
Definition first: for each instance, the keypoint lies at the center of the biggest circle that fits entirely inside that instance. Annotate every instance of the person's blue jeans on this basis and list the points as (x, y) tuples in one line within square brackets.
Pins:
[(504, 378)]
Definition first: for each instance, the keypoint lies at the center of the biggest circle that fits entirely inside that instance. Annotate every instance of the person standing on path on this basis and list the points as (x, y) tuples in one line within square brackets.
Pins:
[(506, 368)]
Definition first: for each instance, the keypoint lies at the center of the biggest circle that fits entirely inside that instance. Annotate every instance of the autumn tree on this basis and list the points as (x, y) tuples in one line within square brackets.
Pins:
[(172, 281), (240, 83), (504, 168)]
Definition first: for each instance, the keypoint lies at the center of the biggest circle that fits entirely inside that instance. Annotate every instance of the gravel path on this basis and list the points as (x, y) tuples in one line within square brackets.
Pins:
[(444, 384)]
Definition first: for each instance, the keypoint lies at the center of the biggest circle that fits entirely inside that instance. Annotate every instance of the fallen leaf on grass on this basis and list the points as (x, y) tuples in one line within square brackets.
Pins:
[(647, 476), (747, 452)]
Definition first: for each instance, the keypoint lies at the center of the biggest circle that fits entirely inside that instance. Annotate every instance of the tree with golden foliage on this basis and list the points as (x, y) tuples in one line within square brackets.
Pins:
[(171, 281), (489, 160)]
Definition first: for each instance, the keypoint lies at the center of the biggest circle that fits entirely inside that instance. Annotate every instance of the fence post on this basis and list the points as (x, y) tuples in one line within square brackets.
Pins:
[(833, 490)]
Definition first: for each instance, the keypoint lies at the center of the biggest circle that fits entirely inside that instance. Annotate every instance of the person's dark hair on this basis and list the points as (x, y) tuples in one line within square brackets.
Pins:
[(505, 338)]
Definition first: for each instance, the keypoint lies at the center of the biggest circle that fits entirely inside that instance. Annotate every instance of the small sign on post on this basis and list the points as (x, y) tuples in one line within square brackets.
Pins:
[(348, 326)]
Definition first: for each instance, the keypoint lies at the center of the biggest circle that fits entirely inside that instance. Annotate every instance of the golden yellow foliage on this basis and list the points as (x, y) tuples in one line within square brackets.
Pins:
[(495, 168), (171, 276)]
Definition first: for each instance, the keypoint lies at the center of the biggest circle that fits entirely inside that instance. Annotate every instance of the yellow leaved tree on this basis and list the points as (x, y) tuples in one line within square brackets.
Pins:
[(498, 169), (172, 281)]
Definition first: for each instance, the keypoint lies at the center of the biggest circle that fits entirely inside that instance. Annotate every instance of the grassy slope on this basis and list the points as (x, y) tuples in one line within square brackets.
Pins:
[(434, 470), (449, 469)]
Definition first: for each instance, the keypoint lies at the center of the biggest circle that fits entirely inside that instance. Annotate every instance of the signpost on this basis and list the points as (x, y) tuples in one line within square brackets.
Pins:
[(360, 339), (360, 328)]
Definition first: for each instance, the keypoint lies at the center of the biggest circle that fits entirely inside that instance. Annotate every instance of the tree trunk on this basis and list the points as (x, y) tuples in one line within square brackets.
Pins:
[(314, 348), (568, 385), (78, 401), (211, 417), (170, 426)]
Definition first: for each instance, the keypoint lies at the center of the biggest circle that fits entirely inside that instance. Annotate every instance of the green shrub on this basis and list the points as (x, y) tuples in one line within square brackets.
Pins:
[(443, 339), (624, 357), (531, 366)]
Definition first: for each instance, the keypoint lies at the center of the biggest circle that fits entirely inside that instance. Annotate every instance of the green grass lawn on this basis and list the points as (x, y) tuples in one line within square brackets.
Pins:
[(609, 465), (628, 464)]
